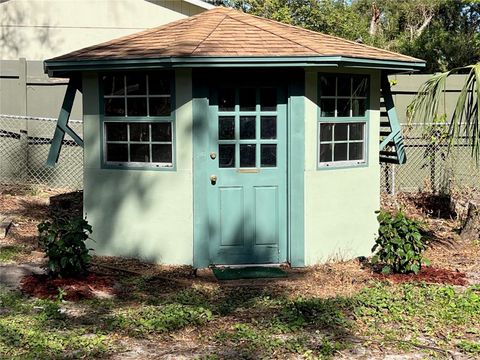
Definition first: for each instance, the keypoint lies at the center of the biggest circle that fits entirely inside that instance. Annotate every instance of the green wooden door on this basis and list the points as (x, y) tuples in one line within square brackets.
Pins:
[(247, 175)]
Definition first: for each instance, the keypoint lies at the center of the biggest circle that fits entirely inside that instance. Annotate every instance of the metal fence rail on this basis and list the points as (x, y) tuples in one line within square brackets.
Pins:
[(24, 146), (25, 142)]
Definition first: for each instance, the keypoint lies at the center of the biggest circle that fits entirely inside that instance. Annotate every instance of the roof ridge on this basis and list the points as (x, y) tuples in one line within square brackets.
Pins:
[(271, 32), (327, 35), (211, 32)]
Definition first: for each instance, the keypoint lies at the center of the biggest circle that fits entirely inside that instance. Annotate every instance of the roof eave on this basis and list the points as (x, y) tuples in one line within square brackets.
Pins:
[(59, 68)]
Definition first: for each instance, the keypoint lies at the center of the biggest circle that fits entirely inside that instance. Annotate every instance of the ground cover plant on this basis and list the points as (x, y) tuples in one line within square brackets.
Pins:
[(337, 310)]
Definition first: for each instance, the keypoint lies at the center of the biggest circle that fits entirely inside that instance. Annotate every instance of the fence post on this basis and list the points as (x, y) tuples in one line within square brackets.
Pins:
[(22, 99)]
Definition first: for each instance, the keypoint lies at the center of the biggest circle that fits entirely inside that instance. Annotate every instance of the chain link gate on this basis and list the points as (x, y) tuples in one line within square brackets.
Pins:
[(24, 147)]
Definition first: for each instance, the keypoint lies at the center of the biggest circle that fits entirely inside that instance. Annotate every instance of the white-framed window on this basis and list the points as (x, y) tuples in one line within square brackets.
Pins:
[(138, 124), (342, 121)]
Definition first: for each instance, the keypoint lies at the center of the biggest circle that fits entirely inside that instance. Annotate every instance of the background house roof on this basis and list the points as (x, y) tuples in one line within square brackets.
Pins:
[(223, 32)]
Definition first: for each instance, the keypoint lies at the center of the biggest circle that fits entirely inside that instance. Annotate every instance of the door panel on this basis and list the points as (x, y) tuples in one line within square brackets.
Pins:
[(246, 187)]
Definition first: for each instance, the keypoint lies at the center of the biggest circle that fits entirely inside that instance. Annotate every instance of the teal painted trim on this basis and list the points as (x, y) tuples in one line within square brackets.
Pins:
[(201, 226), (156, 119), (296, 170), (396, 134), (56, 68), (62, 124)]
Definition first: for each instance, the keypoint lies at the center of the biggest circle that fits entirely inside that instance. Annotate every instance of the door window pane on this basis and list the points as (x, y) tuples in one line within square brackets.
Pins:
[(247, 99), (340, 152), (341, 132), (117, 152), (268, 99), (326, 132), (116, 131), (268, 128), (162, 153), (137, 106), (268, 155), (139, 153), (247, 155), (160, 106), (162, 131), (226, 156), (115, 107), (139, 132), (247, 127), (136, 84), (226, 99), (226, 128)]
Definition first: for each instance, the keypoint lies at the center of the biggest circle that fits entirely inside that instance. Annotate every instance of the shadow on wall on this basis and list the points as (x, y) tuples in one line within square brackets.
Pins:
[(15, 37), (121, 203)]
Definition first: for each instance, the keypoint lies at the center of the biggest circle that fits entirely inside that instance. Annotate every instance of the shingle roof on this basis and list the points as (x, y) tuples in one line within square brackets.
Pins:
[(223, 32)]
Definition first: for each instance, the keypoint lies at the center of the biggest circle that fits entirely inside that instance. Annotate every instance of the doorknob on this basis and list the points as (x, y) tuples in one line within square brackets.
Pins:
[(213, 179)]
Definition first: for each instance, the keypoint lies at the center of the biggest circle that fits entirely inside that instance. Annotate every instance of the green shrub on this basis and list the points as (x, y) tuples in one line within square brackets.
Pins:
[(400, 244), (64, 244)]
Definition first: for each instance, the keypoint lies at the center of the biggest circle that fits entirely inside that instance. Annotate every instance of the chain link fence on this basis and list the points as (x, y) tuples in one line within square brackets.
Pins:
[(24, 147), (25, 142), (431, 164)]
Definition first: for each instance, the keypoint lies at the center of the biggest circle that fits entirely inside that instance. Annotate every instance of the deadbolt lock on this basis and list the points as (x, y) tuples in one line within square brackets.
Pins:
[(213, 155)]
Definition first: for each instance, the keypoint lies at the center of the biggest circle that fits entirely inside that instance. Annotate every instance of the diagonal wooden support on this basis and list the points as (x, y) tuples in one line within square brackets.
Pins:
[(62, 124), (396, 130)]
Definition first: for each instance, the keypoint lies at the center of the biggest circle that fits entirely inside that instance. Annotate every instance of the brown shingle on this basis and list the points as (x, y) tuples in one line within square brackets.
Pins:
[(223, 32)]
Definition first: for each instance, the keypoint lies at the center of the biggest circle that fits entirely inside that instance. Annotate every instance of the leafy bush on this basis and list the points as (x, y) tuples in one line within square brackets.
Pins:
[(400, 244), (64, 244)]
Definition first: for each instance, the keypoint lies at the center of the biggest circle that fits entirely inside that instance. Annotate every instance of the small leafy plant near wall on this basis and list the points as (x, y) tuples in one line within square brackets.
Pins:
[(400, 244), (63, 241)]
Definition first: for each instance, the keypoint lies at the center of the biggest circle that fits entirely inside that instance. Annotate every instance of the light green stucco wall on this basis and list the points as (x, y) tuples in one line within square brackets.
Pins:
[(140, 213), (340, 204)]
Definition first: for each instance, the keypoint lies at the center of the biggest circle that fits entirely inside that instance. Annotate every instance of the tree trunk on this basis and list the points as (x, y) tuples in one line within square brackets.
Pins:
[(471, 225), (375, 19)]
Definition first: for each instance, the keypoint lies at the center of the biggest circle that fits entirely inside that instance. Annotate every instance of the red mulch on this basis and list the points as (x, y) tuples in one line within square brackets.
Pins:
[(428, 275), (44, 287)]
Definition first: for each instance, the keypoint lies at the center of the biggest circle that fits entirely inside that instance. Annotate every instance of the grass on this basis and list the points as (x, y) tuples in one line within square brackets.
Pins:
[(248, 323), (9, 253)]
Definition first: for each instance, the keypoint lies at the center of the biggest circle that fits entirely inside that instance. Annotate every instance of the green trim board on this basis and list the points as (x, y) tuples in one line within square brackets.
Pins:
[(295, 165), (396, 131), (62, 127), (65, 68)]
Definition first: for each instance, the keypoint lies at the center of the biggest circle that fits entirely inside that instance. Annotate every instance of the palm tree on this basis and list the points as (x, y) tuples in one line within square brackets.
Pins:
[(465, 121)]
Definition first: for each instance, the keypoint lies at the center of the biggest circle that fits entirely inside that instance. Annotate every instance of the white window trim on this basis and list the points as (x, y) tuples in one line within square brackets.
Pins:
[(343, 120), (139, 119)]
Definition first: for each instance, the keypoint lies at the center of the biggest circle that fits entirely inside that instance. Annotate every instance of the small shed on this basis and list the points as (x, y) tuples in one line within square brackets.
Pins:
[(227, 138)]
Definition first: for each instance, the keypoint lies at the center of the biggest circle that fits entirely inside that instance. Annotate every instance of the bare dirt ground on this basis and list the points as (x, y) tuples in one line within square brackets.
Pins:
[(27, 207)]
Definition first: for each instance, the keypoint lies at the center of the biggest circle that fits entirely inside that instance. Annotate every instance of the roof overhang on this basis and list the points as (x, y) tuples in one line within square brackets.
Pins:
[(59, 68), (200, 4)]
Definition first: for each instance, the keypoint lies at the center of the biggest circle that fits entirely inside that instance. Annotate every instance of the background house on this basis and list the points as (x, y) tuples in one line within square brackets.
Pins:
[(34, 30)]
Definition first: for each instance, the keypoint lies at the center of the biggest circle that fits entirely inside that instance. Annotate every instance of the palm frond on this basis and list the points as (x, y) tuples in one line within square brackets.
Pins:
[(465, 120)]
